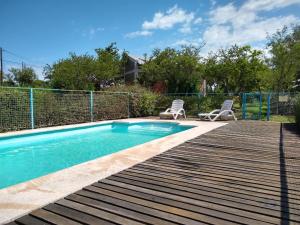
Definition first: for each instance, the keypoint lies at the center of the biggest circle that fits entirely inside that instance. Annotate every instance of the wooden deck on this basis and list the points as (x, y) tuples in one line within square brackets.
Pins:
[(242, 173)]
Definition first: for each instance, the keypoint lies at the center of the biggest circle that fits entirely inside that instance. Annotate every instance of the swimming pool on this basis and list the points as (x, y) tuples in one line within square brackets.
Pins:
[(25, 157)]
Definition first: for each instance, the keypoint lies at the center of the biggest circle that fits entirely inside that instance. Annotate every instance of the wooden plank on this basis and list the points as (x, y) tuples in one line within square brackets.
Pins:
[(12, 223), (30, 220), (148, 207), (118, 210), (255, 174), (214, 203), (199, 175), (53, 218), (214, 206), (244, 192), (180, 201), (214, 192), (97, 212), (203, 214), (75, 215)]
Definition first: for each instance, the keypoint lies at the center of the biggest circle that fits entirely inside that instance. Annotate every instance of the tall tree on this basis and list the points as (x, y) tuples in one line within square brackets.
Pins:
[(85, 71), (285, 57), (75, 72), (180, 70), (235, 69), (108, 64), (23, 77)]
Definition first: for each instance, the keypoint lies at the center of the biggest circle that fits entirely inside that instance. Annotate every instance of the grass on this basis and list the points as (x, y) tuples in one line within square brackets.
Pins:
[(282, 119), (253, 110)]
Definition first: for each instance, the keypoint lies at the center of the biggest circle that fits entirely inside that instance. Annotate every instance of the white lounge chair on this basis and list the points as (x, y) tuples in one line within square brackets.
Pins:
[(175, 110), (225, 112)]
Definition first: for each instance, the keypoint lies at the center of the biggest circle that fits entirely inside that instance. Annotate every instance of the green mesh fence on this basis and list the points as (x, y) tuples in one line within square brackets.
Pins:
[(35, 108), (14, 109), (110, 105), (267, 106), (283, 103), (52, 107)]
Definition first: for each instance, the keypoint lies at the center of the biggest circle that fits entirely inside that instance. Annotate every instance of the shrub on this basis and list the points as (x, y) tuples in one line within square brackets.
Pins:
[(142, 101)]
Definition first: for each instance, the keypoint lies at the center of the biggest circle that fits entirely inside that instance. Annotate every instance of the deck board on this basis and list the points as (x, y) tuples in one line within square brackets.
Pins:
[(243, 173)]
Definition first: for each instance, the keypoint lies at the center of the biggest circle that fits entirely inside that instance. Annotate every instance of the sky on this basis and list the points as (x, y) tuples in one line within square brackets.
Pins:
[(42, 32)]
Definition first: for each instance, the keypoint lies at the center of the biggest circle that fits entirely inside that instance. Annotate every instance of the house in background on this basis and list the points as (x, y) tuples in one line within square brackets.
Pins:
[(132, 68)]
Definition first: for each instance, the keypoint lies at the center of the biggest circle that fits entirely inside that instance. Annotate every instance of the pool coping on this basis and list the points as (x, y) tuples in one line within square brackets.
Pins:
[(20, 199)]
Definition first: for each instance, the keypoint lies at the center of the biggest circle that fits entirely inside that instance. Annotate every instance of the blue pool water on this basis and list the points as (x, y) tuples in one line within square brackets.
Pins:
[(25, 157)]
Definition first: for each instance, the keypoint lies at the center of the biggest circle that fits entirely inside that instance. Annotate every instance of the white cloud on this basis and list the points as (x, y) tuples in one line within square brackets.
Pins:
[(91, 32), (174, 16), (169, 19), (138, 33), (195, 42), (257, 5), (198, 20), (243, 25)]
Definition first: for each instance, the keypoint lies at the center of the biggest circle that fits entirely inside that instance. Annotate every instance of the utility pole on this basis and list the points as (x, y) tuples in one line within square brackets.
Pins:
[(1, 66)]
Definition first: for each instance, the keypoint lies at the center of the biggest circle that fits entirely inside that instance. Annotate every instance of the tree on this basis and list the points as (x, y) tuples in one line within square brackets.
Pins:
[(285, 58), (75, 72), (23, 77), (8, 80), (108, 64), (235, 69), (85, 71), (180, 70)]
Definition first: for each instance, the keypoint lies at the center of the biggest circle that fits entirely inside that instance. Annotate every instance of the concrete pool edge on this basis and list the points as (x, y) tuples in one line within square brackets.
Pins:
[(20, 199)]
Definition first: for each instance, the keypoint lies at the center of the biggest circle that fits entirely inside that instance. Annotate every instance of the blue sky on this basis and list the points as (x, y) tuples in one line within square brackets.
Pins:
[(40, 32)]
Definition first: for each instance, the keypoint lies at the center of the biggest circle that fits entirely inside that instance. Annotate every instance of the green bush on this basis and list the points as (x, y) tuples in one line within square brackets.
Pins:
[(142, 101), (297, 111)]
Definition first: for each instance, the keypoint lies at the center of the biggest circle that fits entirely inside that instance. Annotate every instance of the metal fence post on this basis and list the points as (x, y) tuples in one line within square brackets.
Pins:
[(92, 106), (268, 107), (244, 107), (260, 106), (128, 105), (31, 108)]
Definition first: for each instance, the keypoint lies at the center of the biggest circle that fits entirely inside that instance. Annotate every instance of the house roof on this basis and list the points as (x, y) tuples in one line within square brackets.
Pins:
[(139, 60)]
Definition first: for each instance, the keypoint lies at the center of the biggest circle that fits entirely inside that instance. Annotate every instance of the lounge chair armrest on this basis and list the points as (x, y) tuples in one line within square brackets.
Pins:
[(215, 111), (225, 111), (180, 110), (228, 111), (168, 110)]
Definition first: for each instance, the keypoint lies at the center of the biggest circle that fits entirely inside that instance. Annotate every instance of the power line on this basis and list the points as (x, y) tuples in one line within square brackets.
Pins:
[(20, 63), (21, 57), (14, 62)]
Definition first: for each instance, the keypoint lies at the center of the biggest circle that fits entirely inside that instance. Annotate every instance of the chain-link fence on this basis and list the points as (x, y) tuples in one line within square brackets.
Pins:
[(14, 109), (265, 106), (25, 108)]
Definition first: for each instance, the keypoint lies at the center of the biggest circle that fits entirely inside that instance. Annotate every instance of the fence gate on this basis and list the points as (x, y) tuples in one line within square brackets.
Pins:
[(254, 106)]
